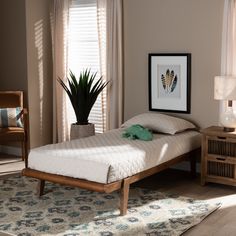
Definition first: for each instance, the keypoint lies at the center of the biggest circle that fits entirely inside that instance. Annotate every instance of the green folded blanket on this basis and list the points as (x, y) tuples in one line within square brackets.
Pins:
[(137, 132)]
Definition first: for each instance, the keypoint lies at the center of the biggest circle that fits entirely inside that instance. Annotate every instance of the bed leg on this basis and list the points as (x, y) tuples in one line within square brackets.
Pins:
[(124, 197), (193, 163), (41, 184)]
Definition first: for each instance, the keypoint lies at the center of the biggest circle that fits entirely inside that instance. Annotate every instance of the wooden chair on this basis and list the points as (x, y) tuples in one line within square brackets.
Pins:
[(12, 99)]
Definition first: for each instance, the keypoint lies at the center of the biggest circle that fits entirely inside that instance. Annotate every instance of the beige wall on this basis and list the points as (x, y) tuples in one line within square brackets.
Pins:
[(26, 61), (13, 59), (39, 71), (13, 64), (193, 26)]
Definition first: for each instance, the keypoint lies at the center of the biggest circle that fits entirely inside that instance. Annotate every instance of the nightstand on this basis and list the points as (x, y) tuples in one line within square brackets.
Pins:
[(218, 162)]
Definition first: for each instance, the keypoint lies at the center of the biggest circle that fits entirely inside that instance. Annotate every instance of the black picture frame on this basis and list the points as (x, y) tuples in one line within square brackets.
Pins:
[(169, 76)]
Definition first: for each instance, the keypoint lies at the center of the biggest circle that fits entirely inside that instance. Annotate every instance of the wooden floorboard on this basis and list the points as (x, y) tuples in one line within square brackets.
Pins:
[(221, 222), (10, 165)]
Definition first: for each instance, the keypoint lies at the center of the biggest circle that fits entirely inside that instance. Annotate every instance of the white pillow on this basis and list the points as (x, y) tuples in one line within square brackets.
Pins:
[(160, 123)]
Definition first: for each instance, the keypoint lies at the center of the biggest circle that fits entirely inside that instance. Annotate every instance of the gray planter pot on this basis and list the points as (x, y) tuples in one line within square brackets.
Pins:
[(81, 131)]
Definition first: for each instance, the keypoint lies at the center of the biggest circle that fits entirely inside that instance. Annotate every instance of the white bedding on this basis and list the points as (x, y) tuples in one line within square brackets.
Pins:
[(108, 157)]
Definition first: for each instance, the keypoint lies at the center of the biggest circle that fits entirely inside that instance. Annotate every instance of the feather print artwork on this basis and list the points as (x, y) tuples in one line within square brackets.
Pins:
[(174, 84), (168, 78), (169, 81), (163, 81)]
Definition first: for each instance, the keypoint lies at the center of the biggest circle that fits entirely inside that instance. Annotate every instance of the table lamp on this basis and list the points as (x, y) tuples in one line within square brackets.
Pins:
[(225, 89)]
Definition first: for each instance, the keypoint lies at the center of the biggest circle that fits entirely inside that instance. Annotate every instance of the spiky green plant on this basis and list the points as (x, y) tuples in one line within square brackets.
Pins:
[(83, 93)]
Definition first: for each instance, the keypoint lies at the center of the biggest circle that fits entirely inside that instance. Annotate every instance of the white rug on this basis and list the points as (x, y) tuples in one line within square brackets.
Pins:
[(72, 211)]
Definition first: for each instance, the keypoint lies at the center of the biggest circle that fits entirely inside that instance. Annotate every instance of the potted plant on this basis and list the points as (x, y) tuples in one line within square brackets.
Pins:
[(83, 94)]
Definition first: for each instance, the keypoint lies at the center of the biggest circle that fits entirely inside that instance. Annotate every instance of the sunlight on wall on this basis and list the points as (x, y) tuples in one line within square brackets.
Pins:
[(38, 29)]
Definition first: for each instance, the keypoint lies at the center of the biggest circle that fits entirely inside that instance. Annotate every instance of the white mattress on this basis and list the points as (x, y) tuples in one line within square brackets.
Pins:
[(108, 157)]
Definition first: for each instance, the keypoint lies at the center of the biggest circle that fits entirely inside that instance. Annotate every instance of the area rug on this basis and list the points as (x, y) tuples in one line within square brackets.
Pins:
[(71, 211)]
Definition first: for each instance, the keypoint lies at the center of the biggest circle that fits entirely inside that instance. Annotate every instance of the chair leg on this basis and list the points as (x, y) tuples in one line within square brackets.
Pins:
[(124, 198), (40, 188), (26, 153)]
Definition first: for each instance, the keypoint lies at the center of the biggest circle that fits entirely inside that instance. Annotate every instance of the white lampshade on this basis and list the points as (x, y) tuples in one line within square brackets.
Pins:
[(225, 88)]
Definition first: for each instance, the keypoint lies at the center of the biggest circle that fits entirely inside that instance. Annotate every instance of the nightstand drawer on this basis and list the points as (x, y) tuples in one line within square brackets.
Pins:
[(225, 147), (220, 169)]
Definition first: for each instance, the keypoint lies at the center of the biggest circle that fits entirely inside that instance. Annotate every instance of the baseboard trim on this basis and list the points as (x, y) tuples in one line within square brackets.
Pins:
[(16, 151)]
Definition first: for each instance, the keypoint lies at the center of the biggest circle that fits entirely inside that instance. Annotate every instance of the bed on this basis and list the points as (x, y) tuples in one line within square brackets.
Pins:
[(107, 162)]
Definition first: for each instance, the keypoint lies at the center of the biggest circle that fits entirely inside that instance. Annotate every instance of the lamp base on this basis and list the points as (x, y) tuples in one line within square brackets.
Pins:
[(228, 119), (228, 129)]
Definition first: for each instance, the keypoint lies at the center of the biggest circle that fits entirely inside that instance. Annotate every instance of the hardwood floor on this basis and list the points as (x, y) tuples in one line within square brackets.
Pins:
[(220, 222), (10, 165)]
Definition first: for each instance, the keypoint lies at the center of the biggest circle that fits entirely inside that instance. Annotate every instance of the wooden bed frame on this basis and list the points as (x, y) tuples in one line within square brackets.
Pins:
[(123, 184)]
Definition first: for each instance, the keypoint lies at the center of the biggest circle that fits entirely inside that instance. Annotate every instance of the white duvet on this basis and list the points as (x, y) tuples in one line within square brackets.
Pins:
[(108, 157)]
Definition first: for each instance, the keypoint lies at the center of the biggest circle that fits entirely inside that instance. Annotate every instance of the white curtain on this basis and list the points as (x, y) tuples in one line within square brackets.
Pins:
[(228, 54), (111, 57), (59, 40)]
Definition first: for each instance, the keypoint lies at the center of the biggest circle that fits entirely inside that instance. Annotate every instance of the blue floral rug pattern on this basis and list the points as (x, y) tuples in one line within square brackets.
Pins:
[(71, 211)]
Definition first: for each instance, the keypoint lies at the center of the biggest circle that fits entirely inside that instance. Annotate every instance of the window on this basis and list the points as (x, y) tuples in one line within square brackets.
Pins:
[(83, 52)]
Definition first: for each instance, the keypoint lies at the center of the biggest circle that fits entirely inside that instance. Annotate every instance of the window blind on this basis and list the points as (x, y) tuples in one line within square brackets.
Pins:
[(83, 52)]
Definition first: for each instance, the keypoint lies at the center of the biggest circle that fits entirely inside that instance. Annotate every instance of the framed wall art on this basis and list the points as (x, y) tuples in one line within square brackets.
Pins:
[(169, 82)]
